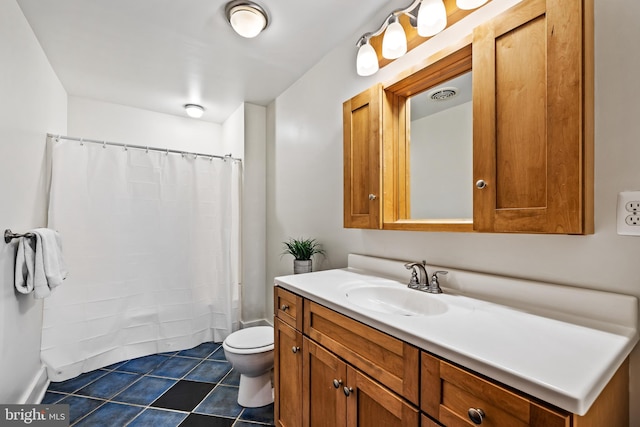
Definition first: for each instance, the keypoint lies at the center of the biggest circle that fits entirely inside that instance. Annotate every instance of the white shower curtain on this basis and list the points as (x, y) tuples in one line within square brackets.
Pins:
[(151, 242)]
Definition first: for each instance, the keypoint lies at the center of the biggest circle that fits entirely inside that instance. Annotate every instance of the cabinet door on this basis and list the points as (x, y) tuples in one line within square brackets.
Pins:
[(369, 404), (532, 104), (287, 375), (362, 121), (324, 377)]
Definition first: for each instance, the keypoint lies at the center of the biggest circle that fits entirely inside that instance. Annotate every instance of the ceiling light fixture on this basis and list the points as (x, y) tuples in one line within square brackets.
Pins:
[(194, 110), (247, 18), (429, 17)]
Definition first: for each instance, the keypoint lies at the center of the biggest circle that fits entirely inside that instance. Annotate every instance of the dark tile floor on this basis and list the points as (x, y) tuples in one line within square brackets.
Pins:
[(190, 388)]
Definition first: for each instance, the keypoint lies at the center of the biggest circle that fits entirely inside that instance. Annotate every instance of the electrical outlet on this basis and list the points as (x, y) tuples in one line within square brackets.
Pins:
[(628, 216), (632, 220), (632, 206)]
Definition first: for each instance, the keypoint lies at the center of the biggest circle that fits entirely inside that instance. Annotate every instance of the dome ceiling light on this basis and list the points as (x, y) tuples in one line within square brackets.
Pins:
[(194, 110), (247, 18)]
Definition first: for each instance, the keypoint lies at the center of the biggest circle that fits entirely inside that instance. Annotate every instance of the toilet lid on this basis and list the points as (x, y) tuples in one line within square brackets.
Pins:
[(254, 337)]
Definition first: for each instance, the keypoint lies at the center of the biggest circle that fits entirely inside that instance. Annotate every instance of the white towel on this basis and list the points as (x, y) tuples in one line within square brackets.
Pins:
[(39, 263), (25, 264)]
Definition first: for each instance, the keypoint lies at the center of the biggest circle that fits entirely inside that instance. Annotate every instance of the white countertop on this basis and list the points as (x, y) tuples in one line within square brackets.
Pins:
[(565, 363)]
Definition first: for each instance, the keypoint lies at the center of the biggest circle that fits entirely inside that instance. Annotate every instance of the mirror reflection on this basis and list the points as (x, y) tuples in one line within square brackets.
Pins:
[(441, 150)]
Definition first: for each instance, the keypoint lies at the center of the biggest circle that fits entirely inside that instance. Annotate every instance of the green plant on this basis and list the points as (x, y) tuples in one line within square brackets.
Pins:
[(302, 248)]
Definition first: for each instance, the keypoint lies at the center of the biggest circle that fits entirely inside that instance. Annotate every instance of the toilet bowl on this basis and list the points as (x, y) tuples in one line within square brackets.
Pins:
[(250, 352)]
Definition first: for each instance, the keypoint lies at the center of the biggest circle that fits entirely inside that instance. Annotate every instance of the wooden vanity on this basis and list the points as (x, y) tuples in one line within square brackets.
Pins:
[(334, 370), (336, 366)]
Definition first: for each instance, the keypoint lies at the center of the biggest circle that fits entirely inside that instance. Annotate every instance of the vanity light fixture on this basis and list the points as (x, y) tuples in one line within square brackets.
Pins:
[(429, 17), (194, 110), (247, 18)]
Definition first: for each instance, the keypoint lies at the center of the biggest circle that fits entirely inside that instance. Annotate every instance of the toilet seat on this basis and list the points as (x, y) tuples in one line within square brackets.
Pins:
[(256, 339)]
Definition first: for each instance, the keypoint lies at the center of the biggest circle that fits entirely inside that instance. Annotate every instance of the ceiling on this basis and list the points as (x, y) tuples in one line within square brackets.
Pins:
[(161, 54)]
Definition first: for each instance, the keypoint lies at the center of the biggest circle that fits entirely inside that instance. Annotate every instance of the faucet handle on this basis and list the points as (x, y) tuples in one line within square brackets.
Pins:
[(434, 286), (414, 283), (435, 274)]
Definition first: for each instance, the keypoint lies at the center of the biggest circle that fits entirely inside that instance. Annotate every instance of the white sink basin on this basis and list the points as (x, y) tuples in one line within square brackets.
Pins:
[(396, 300)]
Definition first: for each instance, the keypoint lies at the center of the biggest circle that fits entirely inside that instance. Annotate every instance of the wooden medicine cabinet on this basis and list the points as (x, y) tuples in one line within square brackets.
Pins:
[(526, 162)]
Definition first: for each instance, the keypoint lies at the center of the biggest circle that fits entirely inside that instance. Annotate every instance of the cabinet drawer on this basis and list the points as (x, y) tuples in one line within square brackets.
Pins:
[(448, 393), (391, 361), (288, 307)]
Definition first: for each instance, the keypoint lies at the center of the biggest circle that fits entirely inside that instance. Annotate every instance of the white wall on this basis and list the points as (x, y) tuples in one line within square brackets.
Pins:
[(305, 173), (99, 120), (246, 129), (254, 222), (33, 103)]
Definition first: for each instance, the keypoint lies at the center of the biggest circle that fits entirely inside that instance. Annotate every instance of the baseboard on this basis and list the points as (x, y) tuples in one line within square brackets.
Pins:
[(251, 323), (37, 388)]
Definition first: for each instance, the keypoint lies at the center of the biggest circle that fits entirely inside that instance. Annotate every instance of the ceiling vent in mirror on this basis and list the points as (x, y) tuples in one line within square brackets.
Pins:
[(443, 93)]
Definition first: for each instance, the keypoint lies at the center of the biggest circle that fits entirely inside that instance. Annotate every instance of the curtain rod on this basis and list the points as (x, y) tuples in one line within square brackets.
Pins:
[(143, 147)]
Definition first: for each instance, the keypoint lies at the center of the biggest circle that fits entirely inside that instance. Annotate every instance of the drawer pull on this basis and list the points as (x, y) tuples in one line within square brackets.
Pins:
[(295, 349), (347, 391), (476, 415), (284, 307), (337, 383)]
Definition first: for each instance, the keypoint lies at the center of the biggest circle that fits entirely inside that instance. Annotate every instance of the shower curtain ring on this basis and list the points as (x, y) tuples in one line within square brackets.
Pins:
[(81, 141), (125, 147), (104, 144), (167, 153), (147, 150)]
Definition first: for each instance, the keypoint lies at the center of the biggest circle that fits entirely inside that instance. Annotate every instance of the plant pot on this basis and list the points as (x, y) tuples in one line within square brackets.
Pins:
[(301, 266)]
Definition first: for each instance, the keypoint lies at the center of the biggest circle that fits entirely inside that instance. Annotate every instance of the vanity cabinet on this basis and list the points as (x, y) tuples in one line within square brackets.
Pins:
[(532, 128), (342, 396), (351, 375), (287, 380), (336, 371), (454, 396)]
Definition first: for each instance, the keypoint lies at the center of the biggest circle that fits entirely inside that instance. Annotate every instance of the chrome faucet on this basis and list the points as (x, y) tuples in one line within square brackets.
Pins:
[(415, 282), (420, 283)]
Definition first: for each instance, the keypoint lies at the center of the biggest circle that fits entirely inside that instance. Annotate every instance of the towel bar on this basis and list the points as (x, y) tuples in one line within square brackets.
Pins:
[(10, 235)]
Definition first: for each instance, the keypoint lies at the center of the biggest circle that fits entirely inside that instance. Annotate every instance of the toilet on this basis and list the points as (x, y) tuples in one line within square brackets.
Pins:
[(250, 352)]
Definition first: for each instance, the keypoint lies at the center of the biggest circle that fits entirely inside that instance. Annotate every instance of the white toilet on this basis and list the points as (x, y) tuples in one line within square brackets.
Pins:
[(250, 352)]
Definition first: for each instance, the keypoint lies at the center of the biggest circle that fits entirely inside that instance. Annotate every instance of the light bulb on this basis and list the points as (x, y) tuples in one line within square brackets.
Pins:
[(367, 60), (394, 42), (432, 18), (469, 4), (247, 21)]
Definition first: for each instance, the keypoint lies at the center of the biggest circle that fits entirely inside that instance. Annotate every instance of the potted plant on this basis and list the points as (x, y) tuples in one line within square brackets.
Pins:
[(302, 250)]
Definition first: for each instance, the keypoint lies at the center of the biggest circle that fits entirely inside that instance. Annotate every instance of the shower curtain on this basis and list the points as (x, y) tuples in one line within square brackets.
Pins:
[(151, 242)]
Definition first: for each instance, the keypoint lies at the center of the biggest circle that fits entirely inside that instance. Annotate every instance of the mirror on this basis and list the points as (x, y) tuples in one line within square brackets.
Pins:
[(441, 151), (428, 146)]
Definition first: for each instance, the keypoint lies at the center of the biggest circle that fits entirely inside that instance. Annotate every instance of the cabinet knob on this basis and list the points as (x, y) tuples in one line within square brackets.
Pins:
[(347, 391), (476, 415), (295, 349), (372, 197), (284, 307), (337, 383), (480, 184)]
